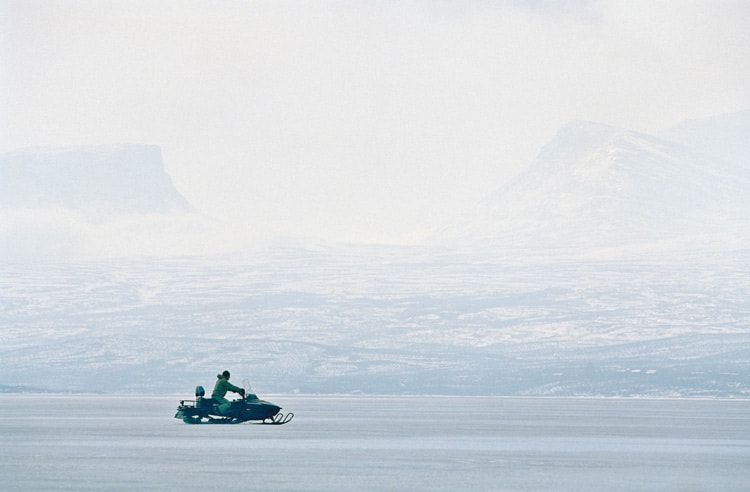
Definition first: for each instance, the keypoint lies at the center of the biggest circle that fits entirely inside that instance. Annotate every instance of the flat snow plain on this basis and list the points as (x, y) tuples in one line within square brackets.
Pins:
[(62, 442)]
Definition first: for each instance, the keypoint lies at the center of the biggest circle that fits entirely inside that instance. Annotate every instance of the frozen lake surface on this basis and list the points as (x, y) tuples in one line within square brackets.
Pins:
[(378, 443)]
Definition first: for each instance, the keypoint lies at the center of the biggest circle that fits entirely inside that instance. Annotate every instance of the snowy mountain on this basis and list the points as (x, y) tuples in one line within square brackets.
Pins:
[(111, 200), (726, 136), (503, 317), (116, 178), (595, 186)]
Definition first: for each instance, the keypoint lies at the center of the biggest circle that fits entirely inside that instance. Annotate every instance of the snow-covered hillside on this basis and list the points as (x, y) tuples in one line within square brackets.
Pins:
[(726, 136), (381, 320), (616, 265), (594, 186)]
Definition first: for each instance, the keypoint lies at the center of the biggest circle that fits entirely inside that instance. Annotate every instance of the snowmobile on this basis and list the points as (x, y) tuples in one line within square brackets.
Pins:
[(250, 408)]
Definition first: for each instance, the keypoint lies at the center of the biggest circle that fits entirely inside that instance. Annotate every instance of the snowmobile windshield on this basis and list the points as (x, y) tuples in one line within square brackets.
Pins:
[(248, 387)]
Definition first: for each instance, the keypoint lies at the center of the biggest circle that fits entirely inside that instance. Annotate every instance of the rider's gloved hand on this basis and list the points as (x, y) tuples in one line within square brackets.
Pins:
[(242, 392)]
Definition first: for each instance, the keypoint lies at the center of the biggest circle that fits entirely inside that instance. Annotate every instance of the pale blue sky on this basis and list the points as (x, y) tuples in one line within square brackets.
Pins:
[(370, 121)]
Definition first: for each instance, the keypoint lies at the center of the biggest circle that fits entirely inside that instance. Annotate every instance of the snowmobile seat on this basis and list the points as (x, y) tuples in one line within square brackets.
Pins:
[(206, 402)]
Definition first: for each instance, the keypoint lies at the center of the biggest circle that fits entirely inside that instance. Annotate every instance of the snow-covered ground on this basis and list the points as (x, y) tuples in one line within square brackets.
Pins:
[(382, 321), (616, 264), (379, 443)]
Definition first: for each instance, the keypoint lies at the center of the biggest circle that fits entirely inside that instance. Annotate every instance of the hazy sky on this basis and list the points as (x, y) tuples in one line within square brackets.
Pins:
[(357, 120)]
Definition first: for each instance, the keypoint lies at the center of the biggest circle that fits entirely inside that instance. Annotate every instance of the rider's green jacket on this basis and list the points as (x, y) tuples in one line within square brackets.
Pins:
[(222, 386)]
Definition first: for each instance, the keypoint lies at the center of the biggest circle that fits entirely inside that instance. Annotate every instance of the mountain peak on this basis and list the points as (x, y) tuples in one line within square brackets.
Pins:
[(601, 186)]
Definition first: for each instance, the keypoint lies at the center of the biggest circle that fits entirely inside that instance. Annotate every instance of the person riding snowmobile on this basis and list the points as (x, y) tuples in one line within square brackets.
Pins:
[(220, 389)]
